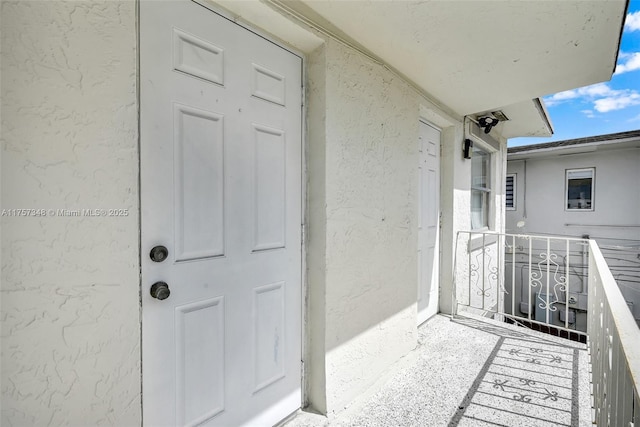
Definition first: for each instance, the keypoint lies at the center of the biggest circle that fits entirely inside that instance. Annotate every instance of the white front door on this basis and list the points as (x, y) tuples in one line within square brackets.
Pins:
[(221, 191), (428, 221)]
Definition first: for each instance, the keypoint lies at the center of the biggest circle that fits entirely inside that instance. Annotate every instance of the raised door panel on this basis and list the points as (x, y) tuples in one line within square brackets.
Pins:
[(269, 188), (200, 350), (199, 183), (269, 334), (197, 57)]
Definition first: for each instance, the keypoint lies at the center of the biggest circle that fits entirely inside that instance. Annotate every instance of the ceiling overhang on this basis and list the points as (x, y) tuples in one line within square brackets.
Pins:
[(474, 56), (527, 118), (479, 55)]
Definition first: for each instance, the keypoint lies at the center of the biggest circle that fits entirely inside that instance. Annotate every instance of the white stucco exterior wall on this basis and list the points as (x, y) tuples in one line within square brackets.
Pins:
[(362, 241), (372, 184), (614, 221), (366, 195), (616, 195), (316, 220), (70, 285), (362, 163), (456, 206)]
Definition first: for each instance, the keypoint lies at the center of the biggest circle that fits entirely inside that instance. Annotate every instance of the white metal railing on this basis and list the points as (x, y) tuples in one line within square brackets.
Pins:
[(539, 281), (563, 284), (614, 347)]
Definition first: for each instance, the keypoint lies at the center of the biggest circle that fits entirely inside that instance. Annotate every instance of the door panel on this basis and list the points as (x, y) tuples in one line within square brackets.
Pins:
[(198, 176), (269, 315), (221, 189), (428, 221), (269, 188), (200, 380)]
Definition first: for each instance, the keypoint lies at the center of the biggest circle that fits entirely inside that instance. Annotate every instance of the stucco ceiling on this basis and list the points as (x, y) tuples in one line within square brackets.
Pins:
[(470, 56), (481, 55), (526, 118)]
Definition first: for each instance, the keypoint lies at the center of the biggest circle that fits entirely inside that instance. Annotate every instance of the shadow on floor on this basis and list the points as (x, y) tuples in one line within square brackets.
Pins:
[(476, 372), (526, 380)]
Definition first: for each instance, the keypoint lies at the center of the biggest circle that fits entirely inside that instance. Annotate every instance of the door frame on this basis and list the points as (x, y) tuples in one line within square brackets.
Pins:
[(217, 9), (424, 120)]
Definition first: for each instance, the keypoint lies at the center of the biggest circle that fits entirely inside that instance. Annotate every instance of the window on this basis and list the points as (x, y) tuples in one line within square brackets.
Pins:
[(510, 192), (580, 189), (480, 188)]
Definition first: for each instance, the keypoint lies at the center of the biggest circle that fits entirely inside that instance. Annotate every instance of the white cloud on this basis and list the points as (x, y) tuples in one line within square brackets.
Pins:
[(632, 23), (602, 98), (599, 89), (617, 102), (632, 63), (558, 98)]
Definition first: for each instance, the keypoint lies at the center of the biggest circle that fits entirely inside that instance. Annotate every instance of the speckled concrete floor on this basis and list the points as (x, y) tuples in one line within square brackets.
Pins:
[(469, 372)]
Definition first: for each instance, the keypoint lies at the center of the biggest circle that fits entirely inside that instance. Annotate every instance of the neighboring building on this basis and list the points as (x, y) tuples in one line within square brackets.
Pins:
[(586, 187), (221, 215)]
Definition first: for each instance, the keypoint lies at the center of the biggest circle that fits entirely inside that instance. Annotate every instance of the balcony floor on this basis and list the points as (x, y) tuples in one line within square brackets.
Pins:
[(472, 372)]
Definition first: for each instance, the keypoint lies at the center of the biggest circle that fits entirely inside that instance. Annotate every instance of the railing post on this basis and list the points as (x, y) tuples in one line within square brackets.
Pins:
[(484, 249), (513, 275), (500, 303), (530, 279), (548, 278), (469, 266), (567, 297)]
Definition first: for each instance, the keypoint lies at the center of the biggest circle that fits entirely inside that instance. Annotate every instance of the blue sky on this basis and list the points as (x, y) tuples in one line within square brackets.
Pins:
[(602, 108)]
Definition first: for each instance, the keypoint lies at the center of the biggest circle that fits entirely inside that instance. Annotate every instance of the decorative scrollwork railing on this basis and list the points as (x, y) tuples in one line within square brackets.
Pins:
[(562, 284), (538, 280)]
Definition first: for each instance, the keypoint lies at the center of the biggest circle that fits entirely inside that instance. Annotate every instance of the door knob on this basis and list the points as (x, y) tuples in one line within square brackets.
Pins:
[(160, 290), (159, 253)]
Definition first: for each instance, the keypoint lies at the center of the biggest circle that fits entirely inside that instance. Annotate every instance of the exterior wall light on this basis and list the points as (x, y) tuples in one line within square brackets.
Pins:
[(487, 123), (468, 144)]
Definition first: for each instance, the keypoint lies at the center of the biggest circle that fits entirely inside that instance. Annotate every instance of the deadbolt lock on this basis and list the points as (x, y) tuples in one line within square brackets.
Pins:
[(158, 253)]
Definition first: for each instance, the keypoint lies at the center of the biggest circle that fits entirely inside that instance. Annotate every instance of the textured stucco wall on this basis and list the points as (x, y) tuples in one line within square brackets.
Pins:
[(615, 219), (616, 195), (455, 181), (366, 192), (456, 205), (316, 235), (70, 287)]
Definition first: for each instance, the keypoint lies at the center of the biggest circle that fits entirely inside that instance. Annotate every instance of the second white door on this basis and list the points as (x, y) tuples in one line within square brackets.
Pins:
[(428, 221)]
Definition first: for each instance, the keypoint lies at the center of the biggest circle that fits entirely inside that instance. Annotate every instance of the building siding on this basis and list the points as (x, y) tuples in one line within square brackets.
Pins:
[(371, 202), (70, 284)]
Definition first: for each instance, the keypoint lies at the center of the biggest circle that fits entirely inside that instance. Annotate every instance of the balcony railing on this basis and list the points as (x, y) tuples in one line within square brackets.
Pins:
[(614, 347), (562, 286)]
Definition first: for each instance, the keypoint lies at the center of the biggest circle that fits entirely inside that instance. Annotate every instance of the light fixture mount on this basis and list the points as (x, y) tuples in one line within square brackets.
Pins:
[(500, 116), (468, 144), (487, 123)]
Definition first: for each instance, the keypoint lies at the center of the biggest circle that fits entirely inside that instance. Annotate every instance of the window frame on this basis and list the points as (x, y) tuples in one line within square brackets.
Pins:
[(487, 190), (593, 189), (514, 187)]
